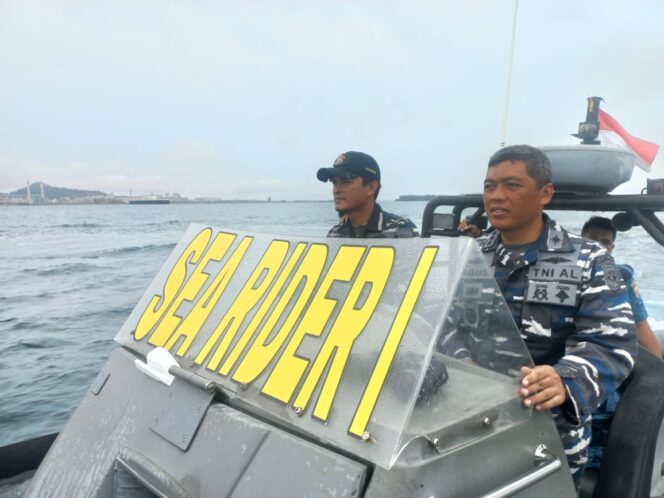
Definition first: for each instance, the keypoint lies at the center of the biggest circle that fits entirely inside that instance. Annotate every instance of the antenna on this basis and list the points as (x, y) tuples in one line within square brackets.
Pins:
[(508, 91)]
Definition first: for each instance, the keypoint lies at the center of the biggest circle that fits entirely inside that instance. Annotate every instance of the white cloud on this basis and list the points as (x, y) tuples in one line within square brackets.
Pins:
[(248, 100)]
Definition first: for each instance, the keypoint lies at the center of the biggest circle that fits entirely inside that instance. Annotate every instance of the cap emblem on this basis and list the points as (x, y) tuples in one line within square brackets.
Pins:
[(339, 159)]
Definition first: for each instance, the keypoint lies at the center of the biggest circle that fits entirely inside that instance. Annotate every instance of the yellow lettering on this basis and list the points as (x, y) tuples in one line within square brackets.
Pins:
[(195, 283), (350, 322), (251, 292), (193, 322), (265, 306), (262, 351), (368, 402), (289, 369), (158, 304)]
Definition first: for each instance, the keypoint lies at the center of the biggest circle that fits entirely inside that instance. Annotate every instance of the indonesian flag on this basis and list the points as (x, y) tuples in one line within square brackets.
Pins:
[(611, 133)]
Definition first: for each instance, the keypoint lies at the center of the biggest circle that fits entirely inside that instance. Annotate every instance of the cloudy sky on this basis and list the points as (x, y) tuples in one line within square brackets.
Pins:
[(247, 99)]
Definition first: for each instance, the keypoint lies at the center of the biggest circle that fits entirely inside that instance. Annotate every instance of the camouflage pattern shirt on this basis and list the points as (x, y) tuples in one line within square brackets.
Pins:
[(382, 225), (570, 304)]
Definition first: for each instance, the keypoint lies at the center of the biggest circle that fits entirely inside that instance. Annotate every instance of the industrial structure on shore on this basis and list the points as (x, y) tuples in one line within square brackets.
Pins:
[(39, 193)]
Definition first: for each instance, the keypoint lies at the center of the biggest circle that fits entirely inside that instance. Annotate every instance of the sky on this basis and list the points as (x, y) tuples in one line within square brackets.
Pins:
[(246, 100)]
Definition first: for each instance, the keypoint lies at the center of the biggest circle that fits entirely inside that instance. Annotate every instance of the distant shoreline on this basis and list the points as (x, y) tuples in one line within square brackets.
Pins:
[(237, 201), (410, 198), (42, 194)]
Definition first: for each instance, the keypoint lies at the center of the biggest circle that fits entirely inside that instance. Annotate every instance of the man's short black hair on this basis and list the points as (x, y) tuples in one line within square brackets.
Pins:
[(367, 181), (538, 165), (601, 223)]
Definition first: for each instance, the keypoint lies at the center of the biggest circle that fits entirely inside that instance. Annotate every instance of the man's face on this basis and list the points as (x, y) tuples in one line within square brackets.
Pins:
[(604, 237), (351, 194), (512, 200)]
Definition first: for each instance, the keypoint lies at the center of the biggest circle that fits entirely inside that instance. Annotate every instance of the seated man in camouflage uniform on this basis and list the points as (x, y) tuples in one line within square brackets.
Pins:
[(602, 230), (356, 180), (566, 296)]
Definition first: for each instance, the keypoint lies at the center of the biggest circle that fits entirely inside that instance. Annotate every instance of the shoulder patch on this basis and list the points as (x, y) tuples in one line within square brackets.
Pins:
[(555, 239), (612, 275)]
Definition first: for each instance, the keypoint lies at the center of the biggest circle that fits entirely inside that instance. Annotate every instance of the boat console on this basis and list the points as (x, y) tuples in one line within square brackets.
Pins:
[(282, 366)]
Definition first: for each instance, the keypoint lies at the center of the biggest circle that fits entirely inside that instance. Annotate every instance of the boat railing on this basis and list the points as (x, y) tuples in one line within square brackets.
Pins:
[(631, 210)]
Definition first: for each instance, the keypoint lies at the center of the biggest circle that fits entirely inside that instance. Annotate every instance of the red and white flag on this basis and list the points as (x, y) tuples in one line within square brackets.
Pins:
[(611, 133)]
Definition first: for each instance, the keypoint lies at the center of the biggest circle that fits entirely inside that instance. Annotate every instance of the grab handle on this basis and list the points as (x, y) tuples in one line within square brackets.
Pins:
[(546, 463)]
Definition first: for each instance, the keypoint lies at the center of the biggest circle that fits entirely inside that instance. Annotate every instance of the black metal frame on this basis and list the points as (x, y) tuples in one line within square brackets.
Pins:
[(640, 209)]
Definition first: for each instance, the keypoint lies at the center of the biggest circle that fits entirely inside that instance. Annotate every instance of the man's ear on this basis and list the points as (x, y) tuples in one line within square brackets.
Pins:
[(373, 186), (546, 193)]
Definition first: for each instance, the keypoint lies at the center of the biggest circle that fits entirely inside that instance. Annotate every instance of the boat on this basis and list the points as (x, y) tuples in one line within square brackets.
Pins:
[(287, 366), (149, 201)]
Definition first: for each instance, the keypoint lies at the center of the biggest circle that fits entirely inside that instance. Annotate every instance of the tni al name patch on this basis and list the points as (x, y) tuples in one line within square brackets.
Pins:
[(553, 273)]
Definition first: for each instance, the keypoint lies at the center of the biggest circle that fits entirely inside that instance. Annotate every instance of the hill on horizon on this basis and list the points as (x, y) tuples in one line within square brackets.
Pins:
[(51, 192)]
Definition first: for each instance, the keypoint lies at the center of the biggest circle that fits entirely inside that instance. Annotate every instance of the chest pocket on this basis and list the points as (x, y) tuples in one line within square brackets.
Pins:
[(550, 301), (545, 329)]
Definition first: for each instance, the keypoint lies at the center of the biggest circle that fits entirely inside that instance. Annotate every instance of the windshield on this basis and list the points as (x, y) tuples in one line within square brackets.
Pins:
[(365, 344)]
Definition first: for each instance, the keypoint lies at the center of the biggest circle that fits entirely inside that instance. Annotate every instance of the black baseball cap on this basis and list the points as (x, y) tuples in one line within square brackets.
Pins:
[(350, 164)]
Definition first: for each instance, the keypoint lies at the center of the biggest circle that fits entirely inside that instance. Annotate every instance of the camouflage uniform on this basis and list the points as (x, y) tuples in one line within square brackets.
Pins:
[(382, 225), (477, 326), (603, 417), (570, 303)]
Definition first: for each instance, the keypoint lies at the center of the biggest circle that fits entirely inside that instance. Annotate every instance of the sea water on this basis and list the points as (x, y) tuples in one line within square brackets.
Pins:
[(70, 276)]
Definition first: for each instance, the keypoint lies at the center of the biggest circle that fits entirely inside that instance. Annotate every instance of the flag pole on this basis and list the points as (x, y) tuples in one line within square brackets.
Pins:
[(508, 91)]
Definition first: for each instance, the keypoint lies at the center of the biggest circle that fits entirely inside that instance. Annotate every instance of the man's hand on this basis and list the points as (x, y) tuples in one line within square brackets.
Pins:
[(541, 387), (468, 229)]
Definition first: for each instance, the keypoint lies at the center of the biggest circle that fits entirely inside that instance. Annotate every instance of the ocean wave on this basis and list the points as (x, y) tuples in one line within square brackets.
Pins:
[(163, 223), (129, 249), (39, 324), (64, 268), (79, 225), (19, 325), (21, 298), (52, 343), (101, 314), (33, 344), (30, 299)]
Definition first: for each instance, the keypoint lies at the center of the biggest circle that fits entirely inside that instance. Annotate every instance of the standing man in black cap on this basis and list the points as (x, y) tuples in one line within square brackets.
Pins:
[(356, 180)]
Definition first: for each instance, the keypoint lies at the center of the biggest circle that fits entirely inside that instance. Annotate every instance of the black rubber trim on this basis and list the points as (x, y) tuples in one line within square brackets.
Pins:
[(25, 455)]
